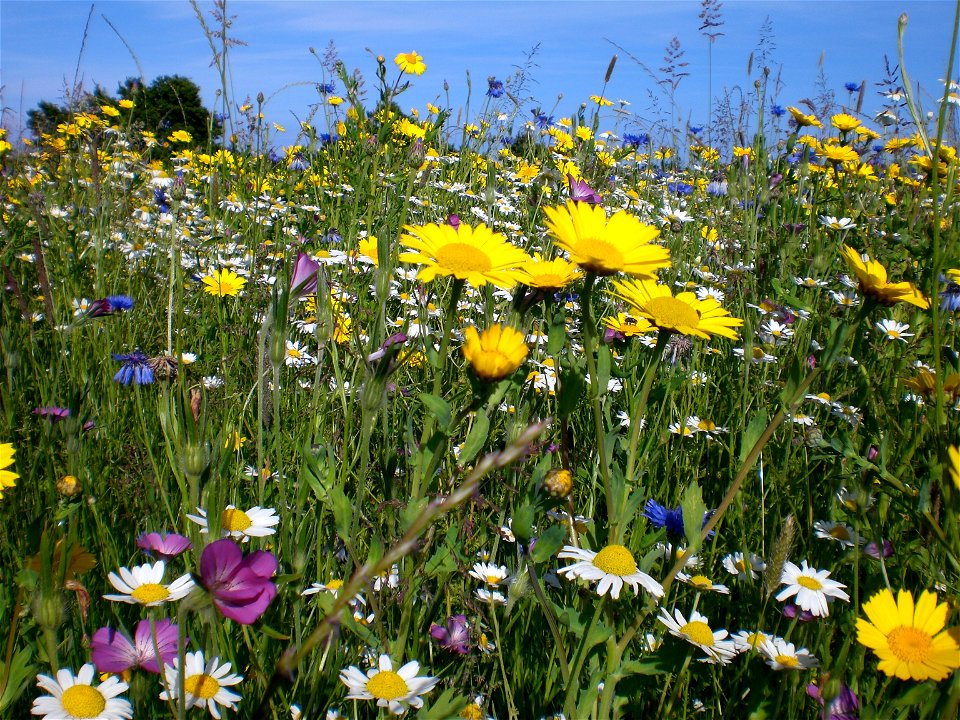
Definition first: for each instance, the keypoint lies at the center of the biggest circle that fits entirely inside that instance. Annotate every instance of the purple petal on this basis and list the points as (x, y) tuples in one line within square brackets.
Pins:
[(112, 651)]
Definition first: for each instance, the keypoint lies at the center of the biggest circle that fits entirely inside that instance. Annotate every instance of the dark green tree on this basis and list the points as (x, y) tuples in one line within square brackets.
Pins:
[(170, 103), (44, 120)]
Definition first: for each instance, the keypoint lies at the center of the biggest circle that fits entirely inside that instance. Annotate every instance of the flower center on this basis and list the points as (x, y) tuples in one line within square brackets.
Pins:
[(839, 533), (201, 686), (234, 520), (740, 565), (754, 640), (787, 660), (701, 581), (809, 583), (83, 701), (547, 280), (150, 592), (599, 256), (492, 579), (671, 314), (910, 644), (461, 257), (387, 685), (616, 560), (698, 632), (334, 585)]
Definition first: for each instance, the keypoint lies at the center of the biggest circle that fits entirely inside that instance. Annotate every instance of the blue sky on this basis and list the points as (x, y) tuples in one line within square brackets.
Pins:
[(40, 43)]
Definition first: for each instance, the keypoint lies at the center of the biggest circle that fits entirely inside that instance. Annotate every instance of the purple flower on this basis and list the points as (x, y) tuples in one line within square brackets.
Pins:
[(455, 637), (114, 652), (109, 305), (873, 551), (163, 547), (453, 220), (52, 413), (304, 279), (844, 706), (135, 367), (495, 87), (240, 586), (792, 611), (581, 192)]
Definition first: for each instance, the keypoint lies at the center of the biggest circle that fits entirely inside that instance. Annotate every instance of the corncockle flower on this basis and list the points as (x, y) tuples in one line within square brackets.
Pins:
[(844, 706), (453, 220), (240, 586), (52, 413), (873, 551), (581, 192), (113, 652), (135, 368), (304, 279), (455, 636), (163, 547)]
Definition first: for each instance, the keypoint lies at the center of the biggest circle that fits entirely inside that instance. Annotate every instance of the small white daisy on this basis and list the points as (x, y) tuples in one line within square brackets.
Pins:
[(489, 573), (73, 698), (834, 223), (239, 524), (783, 655), (391, 689), (747, 640), (493, 597), (613, 566), (893, 330), (737, 564), (697, 631), (702, 582), (143, 585), (813, 588), (843, 534), (204, 684)]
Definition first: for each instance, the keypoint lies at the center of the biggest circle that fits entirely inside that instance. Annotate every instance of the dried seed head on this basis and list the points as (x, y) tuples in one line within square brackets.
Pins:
[(781, 551)]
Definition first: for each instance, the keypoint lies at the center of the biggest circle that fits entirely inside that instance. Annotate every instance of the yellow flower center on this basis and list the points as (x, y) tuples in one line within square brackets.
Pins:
[(150, 592), (201, 686), (755, 639), (809, 583), (599, 256), (472, 712), (839, 533), (334, 585), (292, 352), (616, 560), (547, 280), (234, 520), (492, 579), (698, 632), (83, 701), (461, 257), (740, 565), (387, 685), (787, 660), (671, 314), (910, 644), (701, 581)]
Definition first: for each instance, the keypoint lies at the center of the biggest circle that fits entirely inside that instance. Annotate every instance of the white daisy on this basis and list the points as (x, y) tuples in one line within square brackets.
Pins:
[(697, 631), (893, 330), (489, 573), (613, 566), (737, 564), (296, 355), (391, 689), (239, 524), (783, 655), (689, 561), (72, 698), (843, 534), (813, 588), (702, 582), (833, 223), (204, 684), (387, 579), (143, 585), (747, 640), (494, 597)]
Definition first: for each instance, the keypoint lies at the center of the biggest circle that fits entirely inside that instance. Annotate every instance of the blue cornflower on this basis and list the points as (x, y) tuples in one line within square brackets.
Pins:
[(632, 140), (696, 129), (680, 188), (160, 200), (495, 87), (326, 88), (542, 120), (777, 110), (332, 237), (852, 87), (664, 517), (717, 188), (135, 367), (299, 162), (120, 302), (950, 297)]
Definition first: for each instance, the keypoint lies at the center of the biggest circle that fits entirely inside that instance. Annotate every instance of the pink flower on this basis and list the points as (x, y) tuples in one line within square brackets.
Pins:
[(114, 652), (240, 586), (304, 279)]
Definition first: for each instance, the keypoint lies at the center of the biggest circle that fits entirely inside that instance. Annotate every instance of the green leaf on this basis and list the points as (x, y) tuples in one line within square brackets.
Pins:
[(448, 705), (572, 387), (557, 335), (476, 438), (758, 423), (549, 542), (439, 408), (411, 512), (603, 369), (342, 511), (522, 524), (21, 672), (693, 509)]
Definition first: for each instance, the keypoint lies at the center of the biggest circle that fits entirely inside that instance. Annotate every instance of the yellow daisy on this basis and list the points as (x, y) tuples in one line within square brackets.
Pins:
[(839, 154), (548, 274), (628, 326), (844, 122), (223, 282), (496, 353), (802, 119), (873, 282), (606, 246), (683, 313), (410, 63), (475, 254), (7, 477), (909, 639)]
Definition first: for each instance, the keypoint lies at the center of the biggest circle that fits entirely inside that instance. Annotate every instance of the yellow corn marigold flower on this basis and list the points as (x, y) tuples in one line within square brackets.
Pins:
[(628, 326), (844, 122), (223, 282), (606, 246), (126, 104), (548, 274), (410, 63), (910, 639), (839, 154), (684, 313), (601, 101), (496, 353), (925, 383), (7, 477), (802, 119), (873, 282), (181, 136), (475, 254)]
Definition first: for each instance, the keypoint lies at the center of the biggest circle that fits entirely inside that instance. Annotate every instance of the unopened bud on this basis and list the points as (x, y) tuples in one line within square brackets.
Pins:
[(68, 486), (48, 610), (195, 458), (260, 98), (558, 483)]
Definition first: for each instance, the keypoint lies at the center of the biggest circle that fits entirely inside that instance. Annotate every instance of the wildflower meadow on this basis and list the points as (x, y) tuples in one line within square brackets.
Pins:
[(508, 415)]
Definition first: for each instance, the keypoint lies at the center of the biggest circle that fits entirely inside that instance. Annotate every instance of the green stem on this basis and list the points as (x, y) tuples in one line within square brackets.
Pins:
[(551, 619), (569, 700)]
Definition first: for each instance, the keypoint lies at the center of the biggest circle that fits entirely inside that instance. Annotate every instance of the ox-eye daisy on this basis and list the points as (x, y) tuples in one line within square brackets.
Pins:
[(612, 566), (391, 689), (783, 655), (697, 631), (813, 588), (241, 524), (72, 698), (143, 585), (204, 684)]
